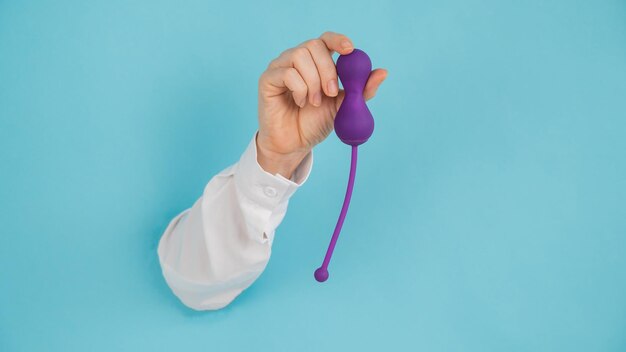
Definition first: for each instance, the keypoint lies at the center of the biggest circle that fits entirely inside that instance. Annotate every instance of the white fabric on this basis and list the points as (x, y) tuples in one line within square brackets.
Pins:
[(213, 251)]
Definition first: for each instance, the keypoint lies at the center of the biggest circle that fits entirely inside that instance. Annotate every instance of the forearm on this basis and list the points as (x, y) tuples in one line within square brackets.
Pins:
[(208, 262), (213, 251)]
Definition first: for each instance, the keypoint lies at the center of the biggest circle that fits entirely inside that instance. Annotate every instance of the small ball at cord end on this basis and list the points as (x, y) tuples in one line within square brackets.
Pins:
[(321, 274)]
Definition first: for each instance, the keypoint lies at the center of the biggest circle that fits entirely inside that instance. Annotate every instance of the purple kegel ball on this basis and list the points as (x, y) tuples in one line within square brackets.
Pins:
[(354, 123)]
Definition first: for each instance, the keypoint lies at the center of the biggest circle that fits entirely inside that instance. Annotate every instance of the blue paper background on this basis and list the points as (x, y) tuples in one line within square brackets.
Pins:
[(488, 212)]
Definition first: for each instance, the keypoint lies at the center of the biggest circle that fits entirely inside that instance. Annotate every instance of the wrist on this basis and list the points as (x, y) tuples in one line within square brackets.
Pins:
[(279, 163)]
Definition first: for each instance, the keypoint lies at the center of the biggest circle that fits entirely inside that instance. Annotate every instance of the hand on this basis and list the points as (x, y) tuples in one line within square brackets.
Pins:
[(298, 99)]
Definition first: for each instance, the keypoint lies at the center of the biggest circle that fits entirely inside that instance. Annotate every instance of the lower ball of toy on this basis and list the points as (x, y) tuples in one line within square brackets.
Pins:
[(321, 274)]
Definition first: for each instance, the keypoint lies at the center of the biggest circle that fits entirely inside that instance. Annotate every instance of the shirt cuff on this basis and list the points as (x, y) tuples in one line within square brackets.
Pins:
[(264, 188)]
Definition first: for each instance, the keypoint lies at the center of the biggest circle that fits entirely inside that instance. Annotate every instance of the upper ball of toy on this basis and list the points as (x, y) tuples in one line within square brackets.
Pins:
[(353, 70)]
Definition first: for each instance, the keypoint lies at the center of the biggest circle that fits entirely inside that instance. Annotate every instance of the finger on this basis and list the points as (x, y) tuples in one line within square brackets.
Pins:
[(287, 78), (337, 42), (374, 81), (300, 58), (325, 66)]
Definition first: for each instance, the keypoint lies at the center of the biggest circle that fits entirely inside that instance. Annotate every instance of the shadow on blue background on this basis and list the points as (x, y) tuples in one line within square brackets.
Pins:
[(488, 214)]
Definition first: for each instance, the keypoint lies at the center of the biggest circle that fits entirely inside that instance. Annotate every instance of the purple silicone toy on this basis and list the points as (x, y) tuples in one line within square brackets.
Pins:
[(354, 125)]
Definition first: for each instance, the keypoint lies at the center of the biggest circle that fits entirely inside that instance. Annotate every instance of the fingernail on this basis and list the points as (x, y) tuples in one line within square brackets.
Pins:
[(332, 87), (346, 44), (317, 99)]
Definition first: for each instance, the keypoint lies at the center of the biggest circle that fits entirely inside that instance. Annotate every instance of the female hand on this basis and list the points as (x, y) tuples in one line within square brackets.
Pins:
[(298, 99)]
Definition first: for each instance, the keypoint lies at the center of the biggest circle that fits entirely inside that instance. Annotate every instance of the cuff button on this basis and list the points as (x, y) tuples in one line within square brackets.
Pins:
[(270, 191)]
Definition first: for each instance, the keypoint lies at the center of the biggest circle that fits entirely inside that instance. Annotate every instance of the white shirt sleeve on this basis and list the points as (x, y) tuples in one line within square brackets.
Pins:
[(213, 251)]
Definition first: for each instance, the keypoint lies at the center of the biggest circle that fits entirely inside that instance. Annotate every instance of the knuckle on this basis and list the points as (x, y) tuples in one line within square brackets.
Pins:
[(276, 61), (327, 34), (263, 77), (292, 74), (315, 44), (300, 53), (285, 52), (282, 55)]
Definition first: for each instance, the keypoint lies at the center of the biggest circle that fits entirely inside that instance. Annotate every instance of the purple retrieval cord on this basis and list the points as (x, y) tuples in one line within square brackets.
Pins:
[(354, 125), (321, 274)]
